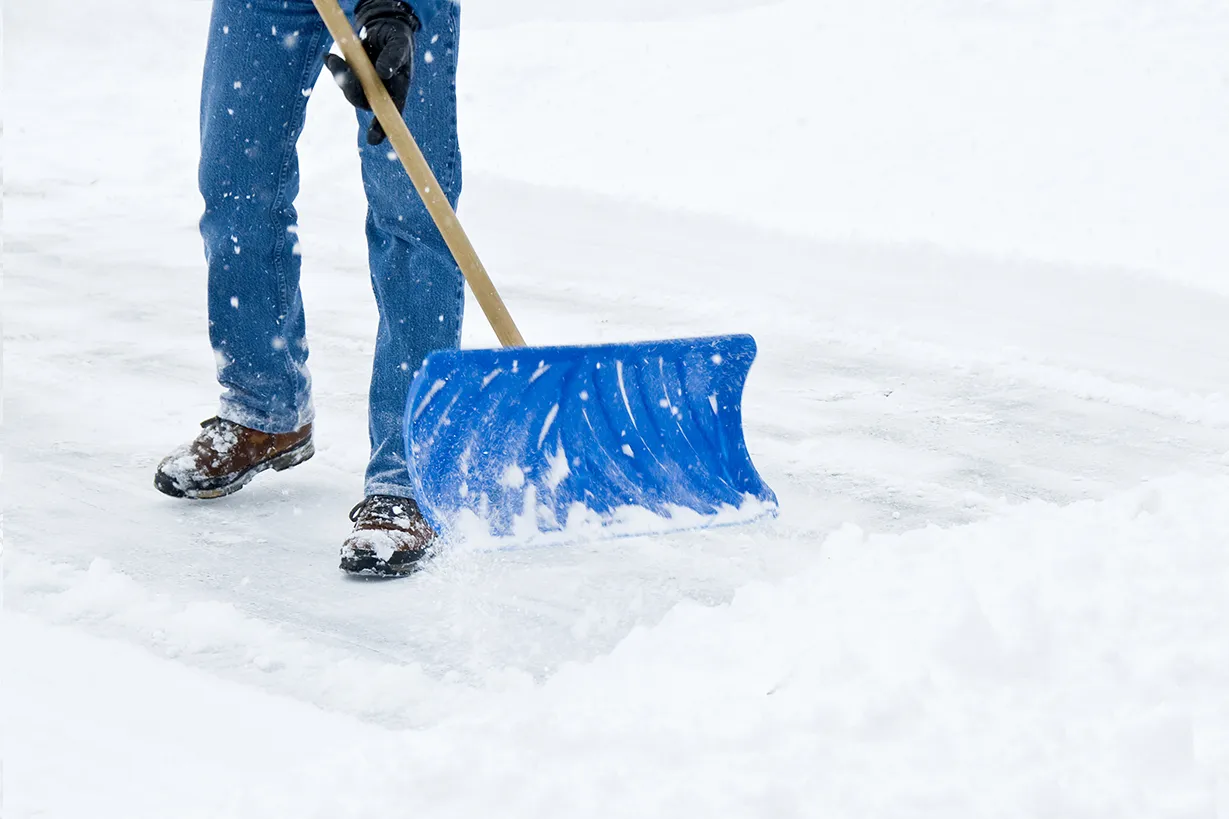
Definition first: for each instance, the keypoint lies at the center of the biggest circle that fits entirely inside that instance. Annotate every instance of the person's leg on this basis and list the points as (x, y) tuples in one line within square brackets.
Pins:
[(263, 59), (418, 286)]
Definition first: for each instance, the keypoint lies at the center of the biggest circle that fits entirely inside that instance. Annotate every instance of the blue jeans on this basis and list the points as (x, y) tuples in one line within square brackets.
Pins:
[(263, 60)]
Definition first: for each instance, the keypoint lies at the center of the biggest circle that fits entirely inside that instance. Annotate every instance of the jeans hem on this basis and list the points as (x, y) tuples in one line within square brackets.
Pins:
[(262, 421), (391, 489)]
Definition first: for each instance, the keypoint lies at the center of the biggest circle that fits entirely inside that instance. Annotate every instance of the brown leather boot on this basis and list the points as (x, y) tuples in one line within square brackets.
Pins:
[(225, 456), (390, 538)]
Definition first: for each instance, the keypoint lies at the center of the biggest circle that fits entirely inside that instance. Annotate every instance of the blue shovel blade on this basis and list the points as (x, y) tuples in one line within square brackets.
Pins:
[(580, 442)]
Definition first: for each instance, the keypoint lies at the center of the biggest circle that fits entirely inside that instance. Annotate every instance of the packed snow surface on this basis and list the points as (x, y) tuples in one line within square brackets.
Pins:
[(981, 246)]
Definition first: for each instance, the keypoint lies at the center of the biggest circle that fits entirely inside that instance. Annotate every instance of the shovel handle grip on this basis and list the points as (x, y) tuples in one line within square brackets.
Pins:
[(424, 180)]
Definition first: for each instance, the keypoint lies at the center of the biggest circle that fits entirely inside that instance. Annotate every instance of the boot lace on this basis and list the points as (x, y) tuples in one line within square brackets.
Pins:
[(384, 508)]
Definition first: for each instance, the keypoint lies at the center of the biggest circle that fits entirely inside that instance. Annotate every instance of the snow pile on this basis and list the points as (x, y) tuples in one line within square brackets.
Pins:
[(1050, 661)]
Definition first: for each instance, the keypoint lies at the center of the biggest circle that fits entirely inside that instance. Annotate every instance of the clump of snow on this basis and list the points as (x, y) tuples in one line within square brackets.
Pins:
[(380, 541), (513, 477), (559, 469)]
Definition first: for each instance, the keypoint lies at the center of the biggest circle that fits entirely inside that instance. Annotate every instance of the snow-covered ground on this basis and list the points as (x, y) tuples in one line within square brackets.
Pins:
[(982, 246)]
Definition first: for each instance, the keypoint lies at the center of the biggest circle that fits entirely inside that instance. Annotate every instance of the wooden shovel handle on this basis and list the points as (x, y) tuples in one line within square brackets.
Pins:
[(420, 173)]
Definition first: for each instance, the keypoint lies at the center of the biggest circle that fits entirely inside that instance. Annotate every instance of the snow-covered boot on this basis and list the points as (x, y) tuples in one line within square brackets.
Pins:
[(225, 456), (390, 538)]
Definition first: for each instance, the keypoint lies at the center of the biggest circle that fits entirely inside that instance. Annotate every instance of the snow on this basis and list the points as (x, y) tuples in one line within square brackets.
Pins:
[(1047, 661), (981, 248)]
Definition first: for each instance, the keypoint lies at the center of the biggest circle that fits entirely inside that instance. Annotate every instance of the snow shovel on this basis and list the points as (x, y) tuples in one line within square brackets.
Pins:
[(550, 443)]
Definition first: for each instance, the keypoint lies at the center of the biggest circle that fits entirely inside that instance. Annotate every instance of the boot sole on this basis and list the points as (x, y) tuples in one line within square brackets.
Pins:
[(368, 565), (289, 458)]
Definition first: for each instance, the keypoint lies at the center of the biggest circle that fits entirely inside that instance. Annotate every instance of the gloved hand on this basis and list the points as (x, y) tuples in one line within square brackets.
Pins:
[(386, 28)]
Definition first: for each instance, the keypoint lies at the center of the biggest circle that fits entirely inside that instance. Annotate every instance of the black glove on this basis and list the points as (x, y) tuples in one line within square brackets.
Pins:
[(387, 30)]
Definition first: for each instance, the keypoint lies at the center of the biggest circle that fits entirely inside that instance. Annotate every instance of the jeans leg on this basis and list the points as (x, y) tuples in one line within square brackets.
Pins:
[(262, 62), (418, 286)]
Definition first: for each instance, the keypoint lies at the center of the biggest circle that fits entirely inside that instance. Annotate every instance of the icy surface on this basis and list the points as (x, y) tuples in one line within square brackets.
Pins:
[(982, 249)]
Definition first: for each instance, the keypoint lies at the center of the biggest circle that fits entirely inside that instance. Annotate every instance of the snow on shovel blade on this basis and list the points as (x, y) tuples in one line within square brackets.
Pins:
[(575, 442)]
